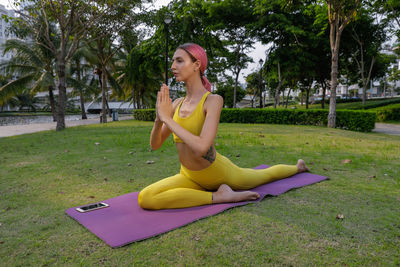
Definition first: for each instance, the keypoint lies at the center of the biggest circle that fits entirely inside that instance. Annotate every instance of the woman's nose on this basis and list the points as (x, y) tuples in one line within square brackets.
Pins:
[(173, 65)]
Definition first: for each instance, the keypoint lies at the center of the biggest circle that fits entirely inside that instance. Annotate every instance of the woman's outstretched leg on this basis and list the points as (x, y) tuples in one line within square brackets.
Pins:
[(225, 193), (245, 178)]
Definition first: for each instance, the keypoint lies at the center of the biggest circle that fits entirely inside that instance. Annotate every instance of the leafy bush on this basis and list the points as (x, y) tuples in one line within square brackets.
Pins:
[(363, 121), (387, 113), (381, 103), (144, 114)]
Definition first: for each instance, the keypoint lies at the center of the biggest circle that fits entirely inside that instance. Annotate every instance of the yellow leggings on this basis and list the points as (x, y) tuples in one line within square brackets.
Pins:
[(192, 188)]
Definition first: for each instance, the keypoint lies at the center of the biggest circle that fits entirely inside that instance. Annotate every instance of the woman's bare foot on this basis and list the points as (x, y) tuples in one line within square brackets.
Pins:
[(301, 166), (225, 194)]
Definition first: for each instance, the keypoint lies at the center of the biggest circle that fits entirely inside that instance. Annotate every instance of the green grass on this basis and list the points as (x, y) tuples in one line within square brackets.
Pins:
[(43, 174)]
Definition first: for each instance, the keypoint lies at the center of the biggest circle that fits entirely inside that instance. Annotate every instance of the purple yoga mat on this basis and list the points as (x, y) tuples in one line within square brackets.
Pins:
[(124, 222)]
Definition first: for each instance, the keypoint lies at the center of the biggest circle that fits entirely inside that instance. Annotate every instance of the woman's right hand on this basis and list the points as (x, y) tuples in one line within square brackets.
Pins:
[(157, 104), (164, 107)]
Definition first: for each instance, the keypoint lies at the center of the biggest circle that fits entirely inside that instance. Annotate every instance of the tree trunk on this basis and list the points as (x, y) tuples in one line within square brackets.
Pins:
[(237, 71), (83, 111), (107, 98), (307, 96), (252, 100), (323, 94), (52, 103), (62, 94), (366, 82), (287, 97), (108, 107), (103, 97), (283, 98), (235, 89), (260, 84), (336, 29), (276, 98), (81, 96), (301, 98), (133, 96), (278, 88), (335, 41)]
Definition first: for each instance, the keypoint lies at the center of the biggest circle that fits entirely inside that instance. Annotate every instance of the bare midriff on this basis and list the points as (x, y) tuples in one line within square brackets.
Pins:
[(191, 161)]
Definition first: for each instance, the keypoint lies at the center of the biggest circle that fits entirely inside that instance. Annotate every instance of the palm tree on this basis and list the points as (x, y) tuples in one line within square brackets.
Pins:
[(81, 78), (32, 68), (105, 56), (25, 101), (139, 75)]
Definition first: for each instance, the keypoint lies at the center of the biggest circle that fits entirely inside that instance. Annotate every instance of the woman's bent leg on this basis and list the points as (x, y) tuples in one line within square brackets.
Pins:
[(173, 192)]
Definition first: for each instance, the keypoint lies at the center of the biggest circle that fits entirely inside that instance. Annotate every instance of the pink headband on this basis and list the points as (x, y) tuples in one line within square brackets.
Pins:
[(198, 53)]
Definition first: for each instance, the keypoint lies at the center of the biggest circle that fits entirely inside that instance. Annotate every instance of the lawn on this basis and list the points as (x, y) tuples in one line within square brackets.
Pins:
[(43, 174)]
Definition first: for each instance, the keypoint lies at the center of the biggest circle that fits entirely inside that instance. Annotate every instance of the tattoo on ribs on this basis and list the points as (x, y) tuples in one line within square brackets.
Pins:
[(210, 155)]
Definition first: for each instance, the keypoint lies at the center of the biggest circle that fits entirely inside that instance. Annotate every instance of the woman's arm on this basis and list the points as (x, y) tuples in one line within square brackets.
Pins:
[(160, 131), (199, 144)]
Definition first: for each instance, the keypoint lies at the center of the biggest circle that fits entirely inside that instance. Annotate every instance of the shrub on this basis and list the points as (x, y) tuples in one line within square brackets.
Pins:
[(144, 114), (381, 103), (387, 113), (363, 121)]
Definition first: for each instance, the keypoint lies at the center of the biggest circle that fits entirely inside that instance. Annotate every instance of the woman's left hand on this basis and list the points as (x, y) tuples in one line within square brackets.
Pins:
[(164, 103)]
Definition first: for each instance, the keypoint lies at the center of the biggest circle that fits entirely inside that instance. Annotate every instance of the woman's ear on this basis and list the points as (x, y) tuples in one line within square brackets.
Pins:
[(197, 65)]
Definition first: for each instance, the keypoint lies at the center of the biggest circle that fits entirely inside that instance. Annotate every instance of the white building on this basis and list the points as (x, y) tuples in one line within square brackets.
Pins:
[(4, 34)]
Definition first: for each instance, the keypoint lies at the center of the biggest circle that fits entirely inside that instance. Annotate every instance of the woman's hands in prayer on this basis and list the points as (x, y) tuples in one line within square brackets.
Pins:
[(164, 108)]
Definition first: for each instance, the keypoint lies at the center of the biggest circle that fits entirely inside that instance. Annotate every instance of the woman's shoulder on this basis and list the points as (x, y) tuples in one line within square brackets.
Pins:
[(214, 100)]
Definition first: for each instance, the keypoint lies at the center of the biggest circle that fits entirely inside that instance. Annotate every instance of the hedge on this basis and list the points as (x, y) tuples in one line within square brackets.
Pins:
[(382, 103), (389, 113), (362, 121)]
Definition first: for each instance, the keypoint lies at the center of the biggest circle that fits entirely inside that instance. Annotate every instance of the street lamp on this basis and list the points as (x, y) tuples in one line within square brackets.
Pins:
[(167, 21), (261, 61)]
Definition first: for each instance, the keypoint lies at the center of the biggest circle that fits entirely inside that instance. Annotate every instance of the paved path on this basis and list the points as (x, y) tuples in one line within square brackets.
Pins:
[(11, 130), (392, 129)]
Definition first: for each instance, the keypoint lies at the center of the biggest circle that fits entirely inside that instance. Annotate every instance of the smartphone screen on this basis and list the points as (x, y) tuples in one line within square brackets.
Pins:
[(92, 207)]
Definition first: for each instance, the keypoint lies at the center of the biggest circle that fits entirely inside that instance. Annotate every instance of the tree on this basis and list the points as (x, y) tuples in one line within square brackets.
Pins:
[(190, 23), (33, 67), (391, 9), (107, 41), (369, 37), (231, 19), (253, 85), (81, 78), (340, 12), (73, 20), (140, 75), (294, 39), (225, 89)]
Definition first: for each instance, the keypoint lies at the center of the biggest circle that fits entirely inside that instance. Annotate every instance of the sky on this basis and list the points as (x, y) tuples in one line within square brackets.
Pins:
[(4, 3), (257, 53)]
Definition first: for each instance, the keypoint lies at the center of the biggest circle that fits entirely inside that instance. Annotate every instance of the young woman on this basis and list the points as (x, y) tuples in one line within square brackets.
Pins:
[(205, 176)]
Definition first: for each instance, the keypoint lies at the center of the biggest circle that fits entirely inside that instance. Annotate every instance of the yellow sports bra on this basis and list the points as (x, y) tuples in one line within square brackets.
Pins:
[(194, 122)]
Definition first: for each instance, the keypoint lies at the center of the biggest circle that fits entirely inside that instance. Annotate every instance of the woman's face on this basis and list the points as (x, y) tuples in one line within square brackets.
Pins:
[(183, 66)]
